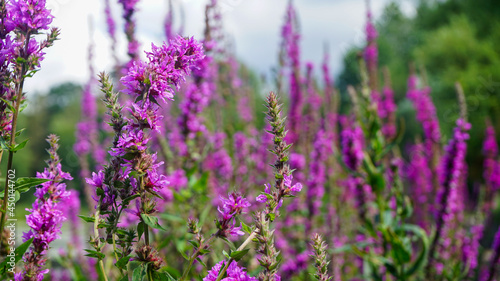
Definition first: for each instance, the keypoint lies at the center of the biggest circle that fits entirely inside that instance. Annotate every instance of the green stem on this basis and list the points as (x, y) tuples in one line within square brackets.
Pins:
[(13, 137), (97, 239), (150, 276), (240, 248), (143, 202), (116, 254), (195, 255)]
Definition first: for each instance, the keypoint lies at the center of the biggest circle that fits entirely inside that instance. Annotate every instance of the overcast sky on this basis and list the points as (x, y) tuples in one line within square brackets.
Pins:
[(254, 24)]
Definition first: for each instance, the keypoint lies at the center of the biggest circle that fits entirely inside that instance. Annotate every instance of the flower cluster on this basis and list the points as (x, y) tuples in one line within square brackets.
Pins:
[(46, 217), (420, 175), (318, 173), (491, 166), (426, 111), (30, 16), (352, 147), (129, 8), (230, 209), (289, 189), (234, 273), (166, 68), (451, 173), (20, 52), (371, 52), (290, 58)]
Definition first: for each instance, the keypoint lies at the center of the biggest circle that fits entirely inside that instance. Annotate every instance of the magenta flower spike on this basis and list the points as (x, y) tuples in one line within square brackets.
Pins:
[(45, 218)]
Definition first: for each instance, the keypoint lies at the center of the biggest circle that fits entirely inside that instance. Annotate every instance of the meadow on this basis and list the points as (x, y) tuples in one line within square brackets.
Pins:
[(186, 169)]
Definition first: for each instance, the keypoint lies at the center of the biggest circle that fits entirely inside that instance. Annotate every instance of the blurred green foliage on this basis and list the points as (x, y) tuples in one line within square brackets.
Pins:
[(446, 41), (55, 112)]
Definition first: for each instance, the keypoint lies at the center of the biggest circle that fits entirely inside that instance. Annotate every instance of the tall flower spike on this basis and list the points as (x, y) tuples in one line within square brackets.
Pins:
[(426, 114), (495, 259), (45, 218), (274, 195), (451, 169), (491, 167), (371, 51), (291, 60), (129, 8), (29, 16), (319, 255), (352, 147)]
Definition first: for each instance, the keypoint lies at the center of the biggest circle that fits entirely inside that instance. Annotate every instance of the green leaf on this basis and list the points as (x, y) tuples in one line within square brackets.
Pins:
[(229, 243), (140, 230), (18, 252), (122, 263), (139, 273), (271, 216), (95, 254), (171, 217), (18, 133), (9, 105), (399, 252), (4, 144), (195, 243), (202, 262), (87, 219), (162, 276), (200, 185), (172, 272), (421, 260), (19, 146), (246, 228), (238, 255), (151, 221), (130, 198), (24, 184)]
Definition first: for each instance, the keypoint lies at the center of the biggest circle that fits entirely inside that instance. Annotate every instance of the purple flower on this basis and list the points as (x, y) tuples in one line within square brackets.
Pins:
[(426, 113), (231, 207), (371, 32), (263, 198), (196, 99), (166, 68), (420, 179), (97, 179), (451, 171), (318, 174), (288, 184), (146, 115), (491, 167), (234, 273), (110, 22), (386, 111), (45, 218), (133, 141), (352, 147), (291, 58), (128, 5), (220, 163), (154, 181), (29, 15)]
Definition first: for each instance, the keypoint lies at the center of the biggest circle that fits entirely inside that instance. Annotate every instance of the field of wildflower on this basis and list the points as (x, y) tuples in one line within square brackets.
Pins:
[(187, 170)]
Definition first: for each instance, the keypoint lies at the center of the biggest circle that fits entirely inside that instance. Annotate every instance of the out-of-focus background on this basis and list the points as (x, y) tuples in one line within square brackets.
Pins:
[(453, 40)]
